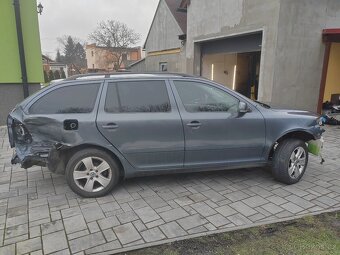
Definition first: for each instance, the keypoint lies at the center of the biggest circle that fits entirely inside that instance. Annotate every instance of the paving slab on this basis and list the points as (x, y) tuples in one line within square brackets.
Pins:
[(39, 214)]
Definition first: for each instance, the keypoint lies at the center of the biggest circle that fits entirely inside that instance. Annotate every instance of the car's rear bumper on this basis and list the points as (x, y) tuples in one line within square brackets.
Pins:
[(27, 152), (29, 161)]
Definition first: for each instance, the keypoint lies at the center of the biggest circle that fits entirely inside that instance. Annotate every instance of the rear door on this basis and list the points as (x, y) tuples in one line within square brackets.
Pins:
[(140, 118)]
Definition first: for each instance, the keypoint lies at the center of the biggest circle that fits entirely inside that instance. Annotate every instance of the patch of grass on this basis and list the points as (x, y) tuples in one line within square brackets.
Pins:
[(318, 235)]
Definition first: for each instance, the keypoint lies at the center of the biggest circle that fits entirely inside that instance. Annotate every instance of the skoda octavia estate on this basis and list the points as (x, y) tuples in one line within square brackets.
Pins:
[(98, 129)]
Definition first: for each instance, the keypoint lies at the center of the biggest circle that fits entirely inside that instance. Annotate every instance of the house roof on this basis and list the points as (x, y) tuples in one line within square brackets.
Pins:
[(57, 64), (46, 58), (180, 17), (93, 45), (136, 62), (184, 4)]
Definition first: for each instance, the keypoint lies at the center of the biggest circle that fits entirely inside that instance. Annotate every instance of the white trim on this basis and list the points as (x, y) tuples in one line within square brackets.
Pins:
[(229, 35), (234, 77), (263, 50)]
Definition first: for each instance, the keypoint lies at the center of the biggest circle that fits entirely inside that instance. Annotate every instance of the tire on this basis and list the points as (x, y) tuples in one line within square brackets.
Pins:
[(86, 176), (286, 168)]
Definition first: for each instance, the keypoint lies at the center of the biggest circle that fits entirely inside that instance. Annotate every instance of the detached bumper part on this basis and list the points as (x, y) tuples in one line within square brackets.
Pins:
[(29, 161), (315, 147), (15, 159)]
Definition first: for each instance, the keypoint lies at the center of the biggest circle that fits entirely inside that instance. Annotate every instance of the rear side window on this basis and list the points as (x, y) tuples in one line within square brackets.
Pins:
[(71, 99), (137, 96)]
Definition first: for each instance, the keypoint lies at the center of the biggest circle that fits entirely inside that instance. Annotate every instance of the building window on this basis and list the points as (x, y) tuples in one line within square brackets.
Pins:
[(124, 56), (92, 66), (163, 66), (92, 54)]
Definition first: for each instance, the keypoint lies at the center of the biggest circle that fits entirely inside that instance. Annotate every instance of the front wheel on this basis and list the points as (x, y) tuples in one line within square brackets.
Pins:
[(290, 161), (92, 173)]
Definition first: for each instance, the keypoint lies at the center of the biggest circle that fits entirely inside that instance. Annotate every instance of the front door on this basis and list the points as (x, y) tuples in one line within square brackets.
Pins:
[(215, 132), (140, 118)]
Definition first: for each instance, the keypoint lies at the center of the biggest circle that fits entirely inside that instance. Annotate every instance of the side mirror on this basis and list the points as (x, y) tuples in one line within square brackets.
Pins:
[(243, 107)]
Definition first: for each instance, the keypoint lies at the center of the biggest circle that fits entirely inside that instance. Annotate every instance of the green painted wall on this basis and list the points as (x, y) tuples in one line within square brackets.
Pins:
[(10, 71)]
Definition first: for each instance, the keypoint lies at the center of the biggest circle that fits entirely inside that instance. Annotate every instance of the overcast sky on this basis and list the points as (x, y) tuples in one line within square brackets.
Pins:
[(80, 17)]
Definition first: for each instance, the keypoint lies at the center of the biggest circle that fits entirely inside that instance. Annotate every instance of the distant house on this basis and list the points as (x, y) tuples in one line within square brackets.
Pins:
[(49, 64), (103, 58), (165, 43)]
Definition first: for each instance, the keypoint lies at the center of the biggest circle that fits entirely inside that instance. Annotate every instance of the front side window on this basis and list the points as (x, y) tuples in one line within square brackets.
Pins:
[(200, 97), (137, 96), (71, 99)]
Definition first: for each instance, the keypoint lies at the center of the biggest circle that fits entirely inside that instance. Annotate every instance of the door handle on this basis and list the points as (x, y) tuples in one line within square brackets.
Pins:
[(194, 124), (110, 126)]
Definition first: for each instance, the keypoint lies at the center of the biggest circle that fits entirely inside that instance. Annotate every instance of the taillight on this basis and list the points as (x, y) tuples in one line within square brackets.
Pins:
[(20, 133), (10, 130)]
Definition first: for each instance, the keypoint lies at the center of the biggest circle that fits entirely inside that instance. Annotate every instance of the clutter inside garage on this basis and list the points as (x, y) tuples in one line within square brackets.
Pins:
[(331, 97)]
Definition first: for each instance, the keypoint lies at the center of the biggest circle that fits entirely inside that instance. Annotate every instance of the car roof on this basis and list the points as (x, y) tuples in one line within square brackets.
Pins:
[(127, 75)]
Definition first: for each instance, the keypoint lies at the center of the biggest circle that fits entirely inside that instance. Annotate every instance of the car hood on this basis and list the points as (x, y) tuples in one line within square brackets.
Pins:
[(296, 112)]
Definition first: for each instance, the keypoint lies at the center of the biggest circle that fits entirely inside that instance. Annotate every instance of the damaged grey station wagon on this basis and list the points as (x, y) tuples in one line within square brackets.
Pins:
[(98, 129)]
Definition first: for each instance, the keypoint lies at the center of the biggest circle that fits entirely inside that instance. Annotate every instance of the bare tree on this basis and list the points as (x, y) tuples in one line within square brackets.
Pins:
[(116, 37)]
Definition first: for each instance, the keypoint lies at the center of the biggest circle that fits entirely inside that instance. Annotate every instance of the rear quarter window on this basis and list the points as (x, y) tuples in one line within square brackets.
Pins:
[(71, 99)]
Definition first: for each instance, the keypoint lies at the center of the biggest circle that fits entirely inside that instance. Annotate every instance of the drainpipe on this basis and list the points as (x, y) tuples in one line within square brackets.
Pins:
[(21, 48)]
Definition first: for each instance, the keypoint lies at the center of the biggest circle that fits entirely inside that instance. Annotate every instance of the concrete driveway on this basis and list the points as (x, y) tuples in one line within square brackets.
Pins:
[(39, 214)]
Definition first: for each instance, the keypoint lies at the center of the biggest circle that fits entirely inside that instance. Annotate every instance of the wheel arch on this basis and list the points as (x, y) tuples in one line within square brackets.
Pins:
[(66, 154), (301, 134)]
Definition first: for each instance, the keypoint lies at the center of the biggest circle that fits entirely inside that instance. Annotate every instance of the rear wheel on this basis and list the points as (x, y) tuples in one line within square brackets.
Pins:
[(290, 161), (92, 173)]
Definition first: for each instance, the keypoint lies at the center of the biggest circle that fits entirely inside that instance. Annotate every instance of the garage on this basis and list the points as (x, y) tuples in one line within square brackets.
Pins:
[(234, 62), (330, 84)]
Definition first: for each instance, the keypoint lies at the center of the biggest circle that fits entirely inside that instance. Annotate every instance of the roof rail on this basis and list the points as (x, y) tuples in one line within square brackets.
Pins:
[(124, 73)]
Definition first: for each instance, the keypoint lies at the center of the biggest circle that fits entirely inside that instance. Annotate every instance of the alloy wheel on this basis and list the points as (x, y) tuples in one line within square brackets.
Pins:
[(92, 174), (297, 162)]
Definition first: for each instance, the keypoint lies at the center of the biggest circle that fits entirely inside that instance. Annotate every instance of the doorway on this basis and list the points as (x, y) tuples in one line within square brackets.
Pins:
[(234, 62)]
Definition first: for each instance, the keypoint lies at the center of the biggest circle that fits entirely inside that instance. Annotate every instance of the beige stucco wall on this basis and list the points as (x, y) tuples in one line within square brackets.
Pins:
[(300, 51), (225, 18), (292, 49), (333, 73), (164, 31)]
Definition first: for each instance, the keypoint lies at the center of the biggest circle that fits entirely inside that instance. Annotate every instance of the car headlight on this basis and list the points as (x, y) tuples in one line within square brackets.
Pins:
[(320, 121)]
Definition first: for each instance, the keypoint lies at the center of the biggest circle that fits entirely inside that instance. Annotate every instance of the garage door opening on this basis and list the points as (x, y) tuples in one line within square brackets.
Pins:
[(234, 62), (238, 71), (329, 101)]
